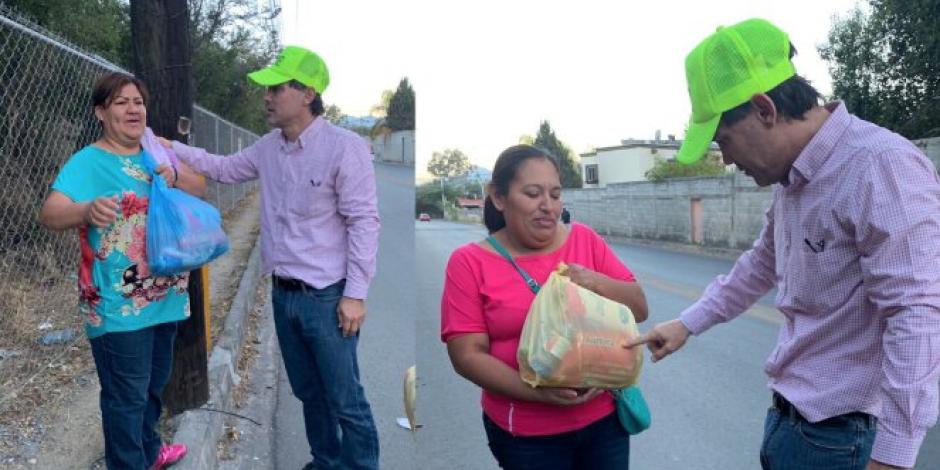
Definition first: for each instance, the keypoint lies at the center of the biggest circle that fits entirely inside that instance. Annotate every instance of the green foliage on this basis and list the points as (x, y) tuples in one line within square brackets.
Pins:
[(401, 108), (333, 114), (380, 109), (710, 165), (886, 65), (229, 38), (570, 170), (100, 26), (428, 197), (450, 162)]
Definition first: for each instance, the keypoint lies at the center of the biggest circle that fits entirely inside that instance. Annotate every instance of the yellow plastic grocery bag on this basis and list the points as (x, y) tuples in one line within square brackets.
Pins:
[(573, 337)]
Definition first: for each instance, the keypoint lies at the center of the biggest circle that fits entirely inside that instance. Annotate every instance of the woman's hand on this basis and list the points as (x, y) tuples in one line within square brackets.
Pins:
[(584, 277), (565, 396), (169, 174), (102, 211)]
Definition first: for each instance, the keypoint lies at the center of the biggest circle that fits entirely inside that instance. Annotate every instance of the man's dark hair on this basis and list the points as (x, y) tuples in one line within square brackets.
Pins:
[(792, 98), (316, 106)]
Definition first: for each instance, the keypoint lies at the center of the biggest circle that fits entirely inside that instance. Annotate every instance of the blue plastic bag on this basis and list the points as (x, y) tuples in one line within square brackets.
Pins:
[(183, 231)]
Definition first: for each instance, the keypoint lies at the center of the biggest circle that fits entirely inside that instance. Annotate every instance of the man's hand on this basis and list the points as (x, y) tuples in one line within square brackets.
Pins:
[(875, 465), (663, 340), (168, 173), (565, 396), (351, 314), (583, 277), (102, 211)]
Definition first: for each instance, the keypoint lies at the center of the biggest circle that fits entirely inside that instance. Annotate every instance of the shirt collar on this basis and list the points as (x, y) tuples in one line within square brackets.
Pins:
[(821, 146), (306, 136)]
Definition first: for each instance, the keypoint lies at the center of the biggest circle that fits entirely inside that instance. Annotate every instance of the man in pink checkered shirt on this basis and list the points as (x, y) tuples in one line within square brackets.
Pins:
[(851, 243)]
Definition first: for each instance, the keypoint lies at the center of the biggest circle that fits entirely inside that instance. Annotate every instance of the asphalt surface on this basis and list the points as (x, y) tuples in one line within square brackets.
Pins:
[(708, 400), (387, 341)]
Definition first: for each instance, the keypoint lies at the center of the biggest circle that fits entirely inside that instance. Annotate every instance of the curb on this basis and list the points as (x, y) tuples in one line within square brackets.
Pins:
[(199, 429)]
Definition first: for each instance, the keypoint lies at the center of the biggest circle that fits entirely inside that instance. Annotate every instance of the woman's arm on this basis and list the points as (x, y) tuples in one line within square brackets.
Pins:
[(469, 354), (59, 212), (627, 293)]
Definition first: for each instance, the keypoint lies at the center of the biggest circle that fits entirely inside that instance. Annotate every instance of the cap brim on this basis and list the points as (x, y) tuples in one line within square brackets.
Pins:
[(268, 77), (697, 140)]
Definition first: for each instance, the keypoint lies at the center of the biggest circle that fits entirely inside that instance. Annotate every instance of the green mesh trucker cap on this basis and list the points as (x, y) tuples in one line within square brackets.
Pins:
[(295, 63), (725, 70)]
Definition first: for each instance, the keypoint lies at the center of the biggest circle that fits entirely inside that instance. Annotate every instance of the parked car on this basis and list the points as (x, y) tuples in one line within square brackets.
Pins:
[(424, 217)]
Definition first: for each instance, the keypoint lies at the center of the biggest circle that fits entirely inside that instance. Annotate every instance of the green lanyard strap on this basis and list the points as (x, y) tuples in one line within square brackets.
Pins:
[(533, 285)]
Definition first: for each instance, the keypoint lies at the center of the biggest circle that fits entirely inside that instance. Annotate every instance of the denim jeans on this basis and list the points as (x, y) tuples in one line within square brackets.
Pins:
[(601, 445), (324, 374), (133, 368), (839, 443)]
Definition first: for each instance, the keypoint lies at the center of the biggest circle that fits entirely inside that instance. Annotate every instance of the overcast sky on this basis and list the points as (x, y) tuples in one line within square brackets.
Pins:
[(486, 72)]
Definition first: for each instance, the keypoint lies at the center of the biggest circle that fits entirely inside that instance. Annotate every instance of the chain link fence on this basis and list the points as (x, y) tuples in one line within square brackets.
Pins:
[(45, 116)]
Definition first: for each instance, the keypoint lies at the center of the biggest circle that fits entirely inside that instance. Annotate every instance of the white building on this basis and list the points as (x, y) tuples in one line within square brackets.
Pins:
[(626, 162)]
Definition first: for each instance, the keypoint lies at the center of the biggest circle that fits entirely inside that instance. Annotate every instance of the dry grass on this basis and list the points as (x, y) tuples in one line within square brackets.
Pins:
[(36, 380)]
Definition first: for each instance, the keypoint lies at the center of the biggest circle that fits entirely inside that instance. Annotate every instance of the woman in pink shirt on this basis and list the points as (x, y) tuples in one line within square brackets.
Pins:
[(484, 306)]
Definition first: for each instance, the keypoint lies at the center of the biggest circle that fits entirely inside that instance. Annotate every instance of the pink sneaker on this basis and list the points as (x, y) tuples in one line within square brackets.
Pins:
[(169, 455)]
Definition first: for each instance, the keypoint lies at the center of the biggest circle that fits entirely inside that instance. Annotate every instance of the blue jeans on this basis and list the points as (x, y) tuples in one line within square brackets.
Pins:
[(133, 367), (599, 446), (839, 443), (324, 374)]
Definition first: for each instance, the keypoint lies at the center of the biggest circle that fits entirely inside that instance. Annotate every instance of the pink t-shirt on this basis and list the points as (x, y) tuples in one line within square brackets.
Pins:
[(483, 293)]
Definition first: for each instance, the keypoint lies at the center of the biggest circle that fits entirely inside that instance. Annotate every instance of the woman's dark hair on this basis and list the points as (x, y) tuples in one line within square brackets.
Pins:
[(792, 98), (505, 170), (108, 86), (316, 106)]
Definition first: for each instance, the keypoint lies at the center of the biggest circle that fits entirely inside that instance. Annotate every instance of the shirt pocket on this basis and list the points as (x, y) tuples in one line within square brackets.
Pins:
[(311, 195), (824, 272)]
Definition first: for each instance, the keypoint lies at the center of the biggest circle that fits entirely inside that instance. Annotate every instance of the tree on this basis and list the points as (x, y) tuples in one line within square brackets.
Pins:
[(100, 26), (401, 108), (450, 162), (710, 165), (380, 109), (333, 114), (526, 139), (886, 65), (569, 169), (228, 39)]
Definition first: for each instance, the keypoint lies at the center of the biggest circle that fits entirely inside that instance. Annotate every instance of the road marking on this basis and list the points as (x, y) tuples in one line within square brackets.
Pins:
[(758, 310)]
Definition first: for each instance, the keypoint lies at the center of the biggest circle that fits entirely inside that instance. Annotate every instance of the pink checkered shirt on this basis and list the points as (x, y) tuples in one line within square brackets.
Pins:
[(852, 243), (319, 217)]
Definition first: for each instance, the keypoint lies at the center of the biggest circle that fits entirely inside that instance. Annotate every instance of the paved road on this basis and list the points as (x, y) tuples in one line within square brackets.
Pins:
[(708, 401), (387, 343)]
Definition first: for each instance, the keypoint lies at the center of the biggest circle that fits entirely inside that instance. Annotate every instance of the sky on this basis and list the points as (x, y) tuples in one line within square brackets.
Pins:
[(486, 72)]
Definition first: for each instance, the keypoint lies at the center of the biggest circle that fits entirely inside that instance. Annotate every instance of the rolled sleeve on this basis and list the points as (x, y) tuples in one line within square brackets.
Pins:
[(357, 203)]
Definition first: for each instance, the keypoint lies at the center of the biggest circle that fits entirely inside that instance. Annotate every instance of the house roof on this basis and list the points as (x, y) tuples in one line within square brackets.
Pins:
[(469, 202)]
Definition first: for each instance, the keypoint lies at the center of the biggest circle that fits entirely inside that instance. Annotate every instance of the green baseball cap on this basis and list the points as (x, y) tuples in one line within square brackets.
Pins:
[(295, 63), (725, 70)]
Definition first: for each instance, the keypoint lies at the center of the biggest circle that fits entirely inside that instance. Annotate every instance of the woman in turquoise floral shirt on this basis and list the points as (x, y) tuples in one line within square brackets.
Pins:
[(130, 315)]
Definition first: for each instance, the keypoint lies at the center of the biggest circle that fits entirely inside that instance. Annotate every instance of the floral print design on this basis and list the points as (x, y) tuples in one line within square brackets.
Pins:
[(128, 236)]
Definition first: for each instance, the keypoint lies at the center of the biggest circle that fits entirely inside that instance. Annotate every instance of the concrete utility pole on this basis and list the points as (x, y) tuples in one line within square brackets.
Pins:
[(162, 59)]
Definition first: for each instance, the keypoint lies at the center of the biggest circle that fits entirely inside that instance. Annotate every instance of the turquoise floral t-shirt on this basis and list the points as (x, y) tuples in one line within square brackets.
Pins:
[(117, 292)]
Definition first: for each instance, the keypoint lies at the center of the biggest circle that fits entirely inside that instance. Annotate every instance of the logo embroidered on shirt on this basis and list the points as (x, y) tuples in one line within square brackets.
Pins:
[(817, 247), (315, 183)]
